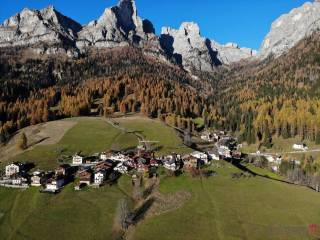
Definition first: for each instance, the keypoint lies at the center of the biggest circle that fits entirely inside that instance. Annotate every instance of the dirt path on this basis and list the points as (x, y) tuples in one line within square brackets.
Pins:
[(117, 126), (42, 134)]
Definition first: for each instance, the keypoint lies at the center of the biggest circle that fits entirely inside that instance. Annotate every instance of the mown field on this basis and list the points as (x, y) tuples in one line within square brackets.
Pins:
[(220, 207)]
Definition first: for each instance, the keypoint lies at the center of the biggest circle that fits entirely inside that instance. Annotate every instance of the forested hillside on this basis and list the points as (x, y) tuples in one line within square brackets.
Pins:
[(120, 80), (278, 96), (256, 100)]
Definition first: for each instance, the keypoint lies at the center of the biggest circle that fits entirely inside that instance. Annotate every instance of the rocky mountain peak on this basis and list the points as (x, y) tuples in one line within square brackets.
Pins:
[(32, 28), (186, 46), (290, 28), (190, 28), (192, 51), (118, 26)]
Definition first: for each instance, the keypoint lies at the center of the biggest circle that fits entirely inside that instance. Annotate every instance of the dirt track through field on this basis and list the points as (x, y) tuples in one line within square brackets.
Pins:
[(42, 134)]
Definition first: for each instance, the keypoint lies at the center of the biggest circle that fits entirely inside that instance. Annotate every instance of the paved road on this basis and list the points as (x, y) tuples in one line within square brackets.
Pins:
[(281, 153)]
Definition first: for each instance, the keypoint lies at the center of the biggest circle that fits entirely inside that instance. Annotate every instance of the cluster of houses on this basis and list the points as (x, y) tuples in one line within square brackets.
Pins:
[(105, 167), (225, 145), (99, 169)]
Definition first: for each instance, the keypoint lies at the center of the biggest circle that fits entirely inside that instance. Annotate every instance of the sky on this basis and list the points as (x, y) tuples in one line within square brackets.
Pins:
[(245, 22)]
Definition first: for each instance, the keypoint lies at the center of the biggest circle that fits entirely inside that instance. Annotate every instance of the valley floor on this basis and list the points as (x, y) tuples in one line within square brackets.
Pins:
[(218, 207)]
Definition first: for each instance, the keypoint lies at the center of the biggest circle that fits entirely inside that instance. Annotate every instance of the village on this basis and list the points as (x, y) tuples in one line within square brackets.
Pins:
[(106, 167)]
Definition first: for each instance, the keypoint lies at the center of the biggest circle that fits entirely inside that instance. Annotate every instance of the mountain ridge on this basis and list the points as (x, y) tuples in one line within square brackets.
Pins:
[(118, 26), (47, 31)]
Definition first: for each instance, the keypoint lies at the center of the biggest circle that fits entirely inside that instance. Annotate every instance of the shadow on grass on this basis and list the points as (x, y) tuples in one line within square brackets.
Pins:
[(141, 212), (237, 164)]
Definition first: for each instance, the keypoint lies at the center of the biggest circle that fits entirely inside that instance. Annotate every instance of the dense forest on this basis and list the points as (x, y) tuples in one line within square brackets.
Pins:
[(276, 97), (256, 101), (122, 80)]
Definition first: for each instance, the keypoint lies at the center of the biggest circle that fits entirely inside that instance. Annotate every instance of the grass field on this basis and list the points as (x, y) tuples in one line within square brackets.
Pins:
[(70, 215), (219, 208), (280, 145), (225, 208), (153, 130), (93, 135), (263, 172)]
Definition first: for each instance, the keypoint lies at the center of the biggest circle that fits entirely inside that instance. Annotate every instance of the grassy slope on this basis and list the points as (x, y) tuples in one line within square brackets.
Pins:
[(224, 208), (153, 130), (221, 207), (280, 145), (70, 215), (92, 135), (264, 172)]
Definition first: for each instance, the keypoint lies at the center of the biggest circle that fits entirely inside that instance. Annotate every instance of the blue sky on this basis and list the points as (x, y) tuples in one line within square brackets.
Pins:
[(245, 22)]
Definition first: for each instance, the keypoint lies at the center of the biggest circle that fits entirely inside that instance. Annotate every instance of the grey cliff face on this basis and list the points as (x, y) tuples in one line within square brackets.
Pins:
[(32, 27), (118, 26), (290, 28), (49, 32), (192, 51), (188, 48), (232, 53)]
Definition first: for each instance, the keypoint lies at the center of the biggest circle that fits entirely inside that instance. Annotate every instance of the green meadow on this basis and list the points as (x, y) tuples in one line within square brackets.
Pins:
[(219, 207)]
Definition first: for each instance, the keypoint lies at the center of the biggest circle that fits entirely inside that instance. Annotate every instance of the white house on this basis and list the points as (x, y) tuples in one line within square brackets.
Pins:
[(103, 156), (37, 178), (77, 160), (54, 184), (99, 177), (119, 158), (300, 147), (278, 160), (214, 155), (170, 165), (19, 180), (224, 151), (12, 169), (297, 162), (270, 158), (121, 168), (200, 155), (206, 137)]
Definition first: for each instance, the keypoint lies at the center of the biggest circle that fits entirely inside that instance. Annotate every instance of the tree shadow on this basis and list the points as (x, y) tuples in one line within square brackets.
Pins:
[(141, 212)]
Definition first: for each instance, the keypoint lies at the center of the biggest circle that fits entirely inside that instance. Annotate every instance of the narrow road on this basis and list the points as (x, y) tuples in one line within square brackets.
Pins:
[(117, 126), (281, 153)]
